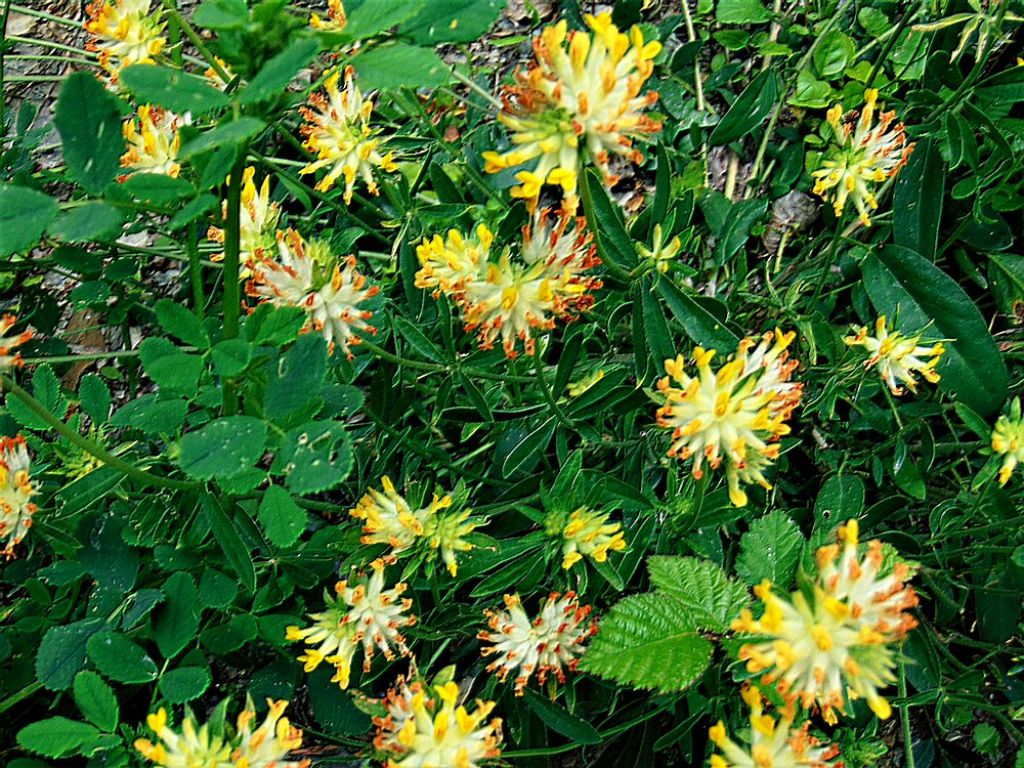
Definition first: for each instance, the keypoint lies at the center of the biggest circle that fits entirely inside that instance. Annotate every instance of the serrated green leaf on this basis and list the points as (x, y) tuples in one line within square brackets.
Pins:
[(314, 457), (24, 216), (96, 700), (62, 653), (274, 326), (119, 658), (223, 448), (770, 550), (710, 598), (282, 520), (181, 323), (176, 622), (178, 91), (87, 223), (169, 367), (184, 684), (56, 737), (89, 121)]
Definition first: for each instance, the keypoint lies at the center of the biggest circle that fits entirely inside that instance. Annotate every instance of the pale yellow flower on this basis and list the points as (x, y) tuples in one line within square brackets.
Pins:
[(862, 156), (257, 222), (153, 142), (335, 21), (328, 288), (124, 32), (660, 254), (426, 728), (897, 357), (511, 299), (772, 743), (16, 492), (832, 645), (585, 533), (363, 614), (268, 745), (446, 537), (1008, 441), (193, 747), (8, 343), (548, 644), (735, 414), (582, 96), (337, 131)]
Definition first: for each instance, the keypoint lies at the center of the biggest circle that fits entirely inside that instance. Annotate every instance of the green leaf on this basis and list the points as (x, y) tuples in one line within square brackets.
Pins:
[(811, 92), (181, 323), (62, 653), (275, 75), (230, 542), (770, 550), (560, 720), (749, 111), (223, 448), (24, 216), (368, 18), (274, 326), (283, 520), (169, 367), (95, 398), (171, 88), (192, 210), (918, 196), (710, 599), (299, 373), (216, 590), (399, 66), (528, 448), (231, 357), (96, 700), (119, 658), (152, 415), (452, 21), (45, 389), (314, 457), (230, 636), (56, 737), (657, 339), (184, 684), (835, 52), (87, 223), (176, 621), (741, 12), (221, 15), (604, 219), (699, 324), (647, 641), (89, 121), (915, 295), (230, 134), (417, 339), (841, 498), (158, 189)]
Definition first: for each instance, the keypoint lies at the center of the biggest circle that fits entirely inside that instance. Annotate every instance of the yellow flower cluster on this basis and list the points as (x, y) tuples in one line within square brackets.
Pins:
[(897, 357), (548, 644), (583, 97), (585, 533), (1008, 441), (337, 131), (832, 645), (862, 156), (8, 343), (773, 743), (735, 414), (124, 32), (153, 142), (335, 21), (510, 299), (196, 746), (365, 614), (425, 727), (257, 221), (16, 492), (389, 519), (329, 289)]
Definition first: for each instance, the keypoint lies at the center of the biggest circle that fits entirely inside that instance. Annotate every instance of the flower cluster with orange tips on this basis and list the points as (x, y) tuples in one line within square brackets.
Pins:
[(862, 156), (772, 743), (330, 290), (735, 414), (1008, 441), (551, 643), (335, 21), (585, 533), (427, 726), (833, 645), (897, 357), (364, 614), (16, 492), (8, 343), (511, 299), (199, 745), (153, 142), (337, 131), (582, 98), (124, 32), (257, 221)]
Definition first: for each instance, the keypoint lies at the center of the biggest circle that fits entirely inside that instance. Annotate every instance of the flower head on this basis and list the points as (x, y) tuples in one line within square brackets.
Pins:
[(193, 747), (446, 537), (735, 414), (335, 21), (16, 492), (773, 743), (257, 221), (153, 142), (337, 131), (363, 614), (7, 343), (897, 357), (329, 289), (549, 644), (583, 92), (1008, 440), (585, 533), (832, 645), (268, 745), (124, 32), (863, 155), (429, 728), (510, 299)]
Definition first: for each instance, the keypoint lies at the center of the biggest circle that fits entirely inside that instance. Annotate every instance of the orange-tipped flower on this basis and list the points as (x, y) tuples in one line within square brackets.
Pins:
[(9, 342), (897, 357), (153, 142), (124, 32), (16, 492)]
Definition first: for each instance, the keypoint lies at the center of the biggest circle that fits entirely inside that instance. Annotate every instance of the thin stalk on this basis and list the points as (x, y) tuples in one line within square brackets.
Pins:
[(43, 15), (92, 448), (194, 271), (52, 45), (904, 708), (196, 40), (19, 696), (907, 18), (232, 295), (57, 359), (3, 47), (50, 57)]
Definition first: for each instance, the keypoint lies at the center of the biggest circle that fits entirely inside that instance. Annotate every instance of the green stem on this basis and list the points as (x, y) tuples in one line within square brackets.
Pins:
[(194, 272), (18, 697), (904, 708), (907, 18), (57, 359), (422, 365), (93, 449), (232, 294), (3, 47), (196, 40)]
